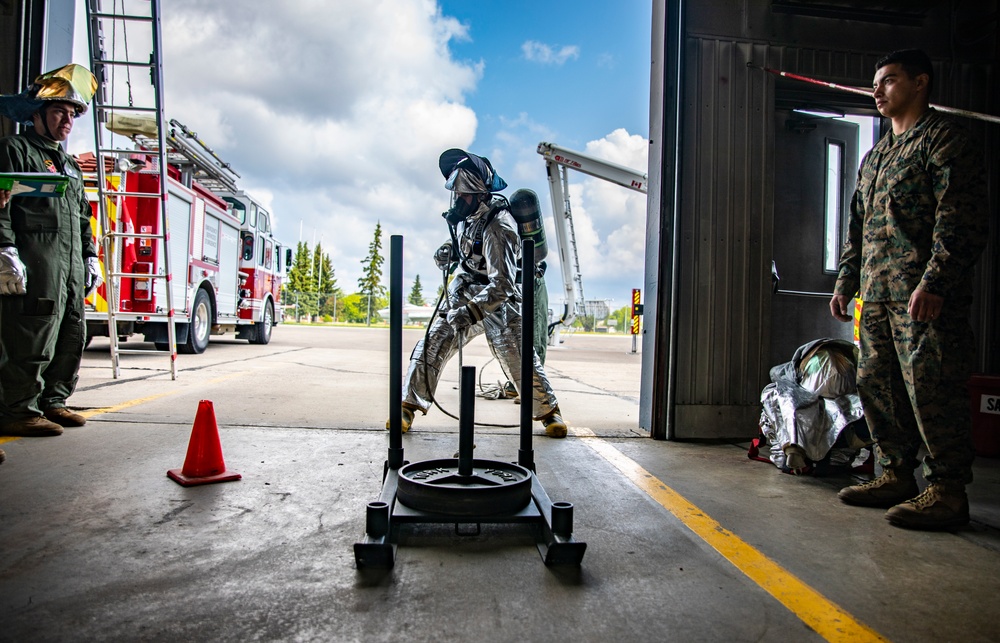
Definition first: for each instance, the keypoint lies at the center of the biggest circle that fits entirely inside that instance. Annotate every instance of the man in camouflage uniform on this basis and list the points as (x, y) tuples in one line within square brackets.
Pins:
[(918, 225)]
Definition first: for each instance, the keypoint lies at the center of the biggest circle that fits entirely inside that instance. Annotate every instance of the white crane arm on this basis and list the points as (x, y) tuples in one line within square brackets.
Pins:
[(612, 172), (557, 160)]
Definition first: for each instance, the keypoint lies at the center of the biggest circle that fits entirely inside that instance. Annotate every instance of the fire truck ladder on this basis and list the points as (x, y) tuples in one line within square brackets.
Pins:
[(103, 25)]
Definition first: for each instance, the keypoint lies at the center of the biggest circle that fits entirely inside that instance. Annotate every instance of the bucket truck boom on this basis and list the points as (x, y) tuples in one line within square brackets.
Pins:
[(557, 160)]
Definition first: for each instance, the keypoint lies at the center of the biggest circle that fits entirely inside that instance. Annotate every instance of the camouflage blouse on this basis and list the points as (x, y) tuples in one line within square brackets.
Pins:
[(919, 216)]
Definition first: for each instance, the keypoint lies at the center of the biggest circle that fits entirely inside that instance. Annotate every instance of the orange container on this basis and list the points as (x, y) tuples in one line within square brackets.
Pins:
[(984, 394)]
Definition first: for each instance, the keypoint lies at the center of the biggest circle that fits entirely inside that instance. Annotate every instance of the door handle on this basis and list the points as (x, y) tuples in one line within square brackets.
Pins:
[(775, 280)]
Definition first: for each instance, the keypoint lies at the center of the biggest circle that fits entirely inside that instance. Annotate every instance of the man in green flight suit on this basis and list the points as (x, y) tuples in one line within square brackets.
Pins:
[(48, 261), (919, 221)]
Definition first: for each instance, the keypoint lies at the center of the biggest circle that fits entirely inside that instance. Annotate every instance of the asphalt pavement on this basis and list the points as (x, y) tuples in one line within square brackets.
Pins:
[(685, 541)]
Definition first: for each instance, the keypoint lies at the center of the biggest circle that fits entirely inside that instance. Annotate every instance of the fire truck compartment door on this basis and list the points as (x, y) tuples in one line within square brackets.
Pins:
[(179, 211), (229, 255)]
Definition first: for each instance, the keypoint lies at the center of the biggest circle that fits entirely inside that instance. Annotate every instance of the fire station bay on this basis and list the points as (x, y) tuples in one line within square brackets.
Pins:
[(792, 433)]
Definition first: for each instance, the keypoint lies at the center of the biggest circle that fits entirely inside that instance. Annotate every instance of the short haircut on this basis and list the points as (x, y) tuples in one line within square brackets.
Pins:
[(913, 61)]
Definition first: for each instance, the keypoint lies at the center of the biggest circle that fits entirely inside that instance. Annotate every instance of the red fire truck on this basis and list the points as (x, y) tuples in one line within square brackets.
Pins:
[(226, 266)]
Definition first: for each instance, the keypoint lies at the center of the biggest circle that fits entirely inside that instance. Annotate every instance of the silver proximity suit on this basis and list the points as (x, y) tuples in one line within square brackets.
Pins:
[(488, 286)]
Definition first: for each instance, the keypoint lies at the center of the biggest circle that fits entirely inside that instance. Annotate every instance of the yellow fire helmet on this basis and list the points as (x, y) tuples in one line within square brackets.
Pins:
[(71, 84)]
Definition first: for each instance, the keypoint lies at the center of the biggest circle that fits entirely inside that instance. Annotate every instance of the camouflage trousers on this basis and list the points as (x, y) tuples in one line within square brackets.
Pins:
[(912, 380)]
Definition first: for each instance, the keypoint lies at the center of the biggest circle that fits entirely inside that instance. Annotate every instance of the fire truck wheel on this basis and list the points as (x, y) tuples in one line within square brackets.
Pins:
[(200, 327), (262, 329)]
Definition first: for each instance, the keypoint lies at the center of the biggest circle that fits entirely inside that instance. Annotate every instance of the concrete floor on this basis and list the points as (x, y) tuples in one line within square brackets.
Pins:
[(96, 543)]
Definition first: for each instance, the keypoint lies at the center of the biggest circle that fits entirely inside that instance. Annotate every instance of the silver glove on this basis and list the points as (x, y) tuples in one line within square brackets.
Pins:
[(460, 318), (442, 256), (13, 278), (94, 275)]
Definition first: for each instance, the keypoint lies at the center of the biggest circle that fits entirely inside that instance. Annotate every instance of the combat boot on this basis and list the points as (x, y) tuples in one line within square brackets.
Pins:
[(940, 506), (891, 488), (406, 419), (64, 417), (555, 426), (36, 427)]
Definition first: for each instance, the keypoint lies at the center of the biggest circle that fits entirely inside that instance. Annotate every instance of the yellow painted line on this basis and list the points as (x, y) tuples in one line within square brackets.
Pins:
[(143, 400), (89, 413), (124, 405), (822, 615)]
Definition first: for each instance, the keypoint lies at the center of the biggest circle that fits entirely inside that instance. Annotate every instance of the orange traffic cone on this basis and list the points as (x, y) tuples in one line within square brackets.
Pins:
[(204, 463)]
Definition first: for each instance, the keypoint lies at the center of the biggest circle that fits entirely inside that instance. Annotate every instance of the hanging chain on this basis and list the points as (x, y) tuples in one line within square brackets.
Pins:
[(128, 68)]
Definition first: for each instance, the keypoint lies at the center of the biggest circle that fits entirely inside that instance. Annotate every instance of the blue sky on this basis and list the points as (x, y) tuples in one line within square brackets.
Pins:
[(600, 84), (334, 114)]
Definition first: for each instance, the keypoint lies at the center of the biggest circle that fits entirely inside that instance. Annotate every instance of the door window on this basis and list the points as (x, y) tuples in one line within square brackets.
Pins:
[(834, 213), (238, 209), (840, 185)]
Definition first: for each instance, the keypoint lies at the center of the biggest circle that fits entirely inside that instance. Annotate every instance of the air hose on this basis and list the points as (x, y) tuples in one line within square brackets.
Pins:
[(437, 311)]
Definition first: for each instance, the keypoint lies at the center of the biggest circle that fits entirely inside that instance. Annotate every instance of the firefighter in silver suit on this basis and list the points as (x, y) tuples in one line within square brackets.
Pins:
[(484, 296)]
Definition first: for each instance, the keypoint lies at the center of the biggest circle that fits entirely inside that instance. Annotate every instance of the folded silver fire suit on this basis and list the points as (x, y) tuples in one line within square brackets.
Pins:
[(811, 410)]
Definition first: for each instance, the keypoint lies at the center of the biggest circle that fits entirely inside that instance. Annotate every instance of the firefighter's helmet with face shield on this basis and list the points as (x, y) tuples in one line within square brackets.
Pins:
[(71, 84), (468, 174)]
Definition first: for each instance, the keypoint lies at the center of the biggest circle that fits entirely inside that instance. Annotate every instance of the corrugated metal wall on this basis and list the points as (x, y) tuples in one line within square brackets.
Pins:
[(724, 238), (726, 211)]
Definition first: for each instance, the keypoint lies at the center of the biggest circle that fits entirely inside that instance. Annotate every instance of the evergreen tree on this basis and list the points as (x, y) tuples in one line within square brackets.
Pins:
[(300, 287), (417, 294), (370, 282), (323, 277), (298, 275), (325, 280)]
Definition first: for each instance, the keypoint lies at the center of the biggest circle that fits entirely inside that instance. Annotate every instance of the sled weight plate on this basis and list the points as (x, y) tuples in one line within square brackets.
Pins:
[(491, 488)]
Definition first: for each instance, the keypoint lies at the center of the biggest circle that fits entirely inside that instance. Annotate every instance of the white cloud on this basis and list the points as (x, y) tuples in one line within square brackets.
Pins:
[(516, 152), (337, 110), (548, 55), (610, 220), (606, 61), (334, 114)]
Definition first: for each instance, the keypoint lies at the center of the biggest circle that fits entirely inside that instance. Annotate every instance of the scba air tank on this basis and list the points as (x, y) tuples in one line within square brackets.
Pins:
[(527, 212)]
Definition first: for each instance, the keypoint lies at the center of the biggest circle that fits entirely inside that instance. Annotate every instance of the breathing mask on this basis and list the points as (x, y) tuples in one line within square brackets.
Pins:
[(461, 210)]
